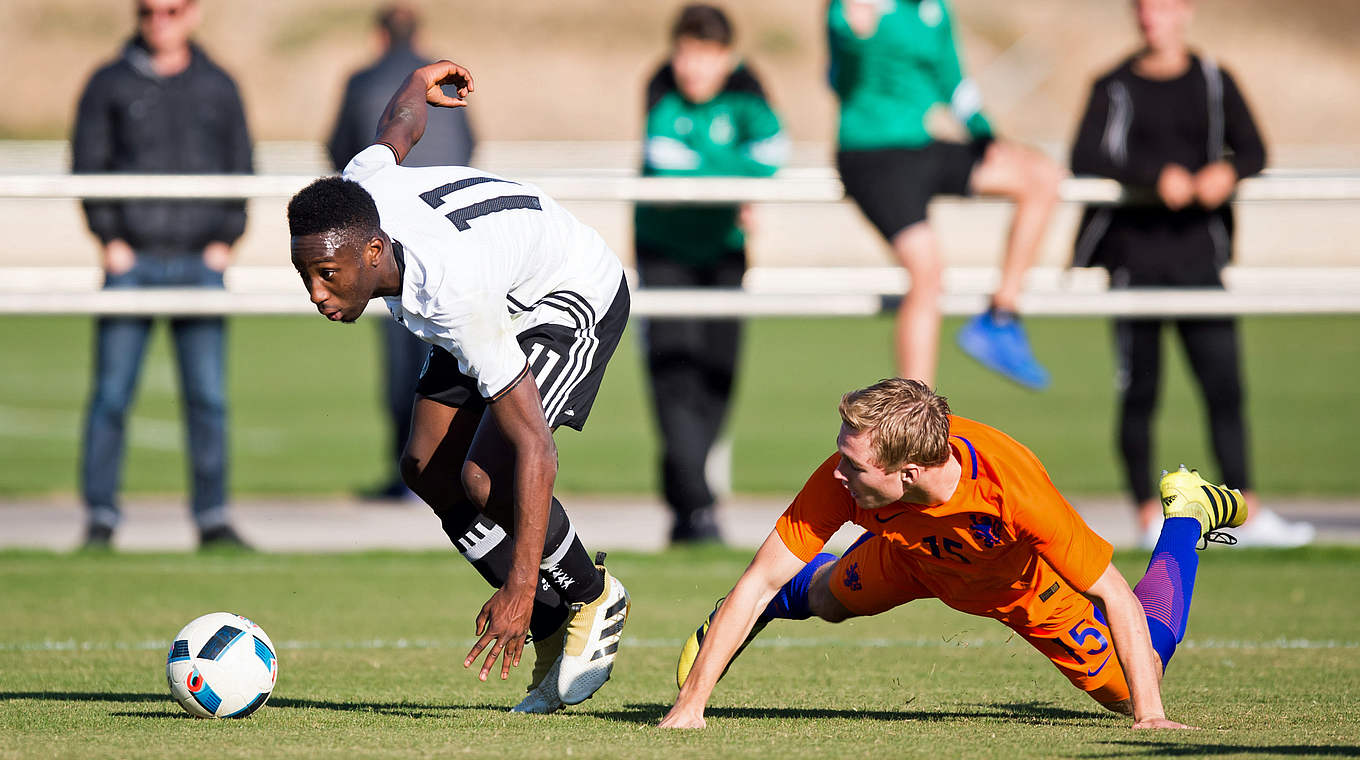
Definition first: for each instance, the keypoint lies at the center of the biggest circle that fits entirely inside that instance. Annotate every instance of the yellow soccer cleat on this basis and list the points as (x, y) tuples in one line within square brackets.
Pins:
[(690, 651), (1186, 494)]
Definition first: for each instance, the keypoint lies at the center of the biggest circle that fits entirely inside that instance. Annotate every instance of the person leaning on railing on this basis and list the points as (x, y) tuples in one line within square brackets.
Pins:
[(1175, 121), (706, 116), (161, 107)]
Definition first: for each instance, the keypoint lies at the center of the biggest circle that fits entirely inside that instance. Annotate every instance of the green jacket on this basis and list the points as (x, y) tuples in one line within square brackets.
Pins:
[(888, 81), (734, 134)]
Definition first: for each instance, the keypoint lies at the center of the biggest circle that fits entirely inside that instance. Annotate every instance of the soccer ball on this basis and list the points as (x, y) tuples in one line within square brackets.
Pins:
[(221, 666)]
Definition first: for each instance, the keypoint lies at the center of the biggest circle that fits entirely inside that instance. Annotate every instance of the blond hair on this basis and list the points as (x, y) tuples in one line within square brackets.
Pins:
[(906, 421)]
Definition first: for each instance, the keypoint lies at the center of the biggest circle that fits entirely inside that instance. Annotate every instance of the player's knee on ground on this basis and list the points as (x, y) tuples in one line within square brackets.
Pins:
[(1123, 706), (822, 602)]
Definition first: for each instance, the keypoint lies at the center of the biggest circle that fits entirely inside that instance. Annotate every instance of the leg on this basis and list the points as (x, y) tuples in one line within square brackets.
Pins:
[(1211, 346), (119, 346), (404, 357), (1082, 649), (676, 354), (441, 437), (1030, 180), (488, 480), (870, 578), (1138, 348), (200, 347), (918, 318)]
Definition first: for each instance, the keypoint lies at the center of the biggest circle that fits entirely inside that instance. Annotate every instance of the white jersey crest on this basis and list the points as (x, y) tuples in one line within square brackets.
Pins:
[(486, 258)]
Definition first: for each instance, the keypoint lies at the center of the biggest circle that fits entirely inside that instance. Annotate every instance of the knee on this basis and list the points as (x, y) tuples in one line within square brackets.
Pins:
[(476, 483), (1043, 178), (822, 602)]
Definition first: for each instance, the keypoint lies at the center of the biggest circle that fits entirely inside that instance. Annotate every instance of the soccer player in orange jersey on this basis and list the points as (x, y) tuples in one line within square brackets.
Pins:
[(961, 512)]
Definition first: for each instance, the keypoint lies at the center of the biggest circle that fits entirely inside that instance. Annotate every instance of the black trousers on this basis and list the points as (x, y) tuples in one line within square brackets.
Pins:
[(1212, 348), (691, 365)]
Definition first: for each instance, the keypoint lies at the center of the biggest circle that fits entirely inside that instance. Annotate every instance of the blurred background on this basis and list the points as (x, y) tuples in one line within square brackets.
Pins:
[(560, 88)]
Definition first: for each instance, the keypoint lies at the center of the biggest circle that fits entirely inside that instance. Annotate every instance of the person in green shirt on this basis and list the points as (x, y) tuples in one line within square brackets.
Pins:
[(706, 116), (894, 67)]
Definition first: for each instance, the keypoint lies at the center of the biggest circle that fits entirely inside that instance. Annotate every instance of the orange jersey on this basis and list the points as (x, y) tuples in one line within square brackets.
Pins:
[(1006, 545)]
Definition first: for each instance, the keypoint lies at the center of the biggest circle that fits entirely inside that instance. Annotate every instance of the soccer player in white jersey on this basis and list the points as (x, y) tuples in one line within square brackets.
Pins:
[(523, 305)]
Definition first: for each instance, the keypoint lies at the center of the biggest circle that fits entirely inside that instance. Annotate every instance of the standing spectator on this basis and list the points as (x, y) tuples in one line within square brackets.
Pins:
[(161, 107), (894, 65), (448, 141), (1173, 121), (706, 116)]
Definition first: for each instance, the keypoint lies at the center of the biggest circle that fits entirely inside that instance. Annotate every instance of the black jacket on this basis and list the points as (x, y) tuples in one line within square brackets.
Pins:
[(447, 141), (132, 120), (1132, 128)]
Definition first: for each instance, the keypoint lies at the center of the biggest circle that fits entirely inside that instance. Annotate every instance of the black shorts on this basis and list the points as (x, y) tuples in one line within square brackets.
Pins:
[(893, 186), (567, 363)]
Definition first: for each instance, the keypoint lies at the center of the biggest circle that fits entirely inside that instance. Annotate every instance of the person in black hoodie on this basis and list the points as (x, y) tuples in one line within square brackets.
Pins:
[(448, 141), (161, 107), (1174, 122)]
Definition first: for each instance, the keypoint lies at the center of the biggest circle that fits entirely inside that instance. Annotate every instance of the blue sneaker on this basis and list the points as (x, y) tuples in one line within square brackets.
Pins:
[(998, 341)]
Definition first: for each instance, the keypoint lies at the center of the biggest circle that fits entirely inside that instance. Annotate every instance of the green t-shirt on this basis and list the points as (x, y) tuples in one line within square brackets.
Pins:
[(734, 134), (888, 81)]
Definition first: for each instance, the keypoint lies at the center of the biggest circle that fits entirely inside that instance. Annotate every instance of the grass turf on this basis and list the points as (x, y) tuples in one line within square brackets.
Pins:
[(305, 412), (370, 647)]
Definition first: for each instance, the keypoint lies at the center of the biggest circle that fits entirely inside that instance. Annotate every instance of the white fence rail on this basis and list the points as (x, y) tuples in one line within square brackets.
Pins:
[(791, 186), (765, 292)]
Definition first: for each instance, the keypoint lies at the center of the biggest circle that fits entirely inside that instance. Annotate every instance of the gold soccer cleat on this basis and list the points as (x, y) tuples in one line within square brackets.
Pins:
[(690, 651), (1186, 494)]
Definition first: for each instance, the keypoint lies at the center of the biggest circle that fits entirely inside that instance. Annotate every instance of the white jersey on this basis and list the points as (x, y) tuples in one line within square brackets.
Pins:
[(485, 259)]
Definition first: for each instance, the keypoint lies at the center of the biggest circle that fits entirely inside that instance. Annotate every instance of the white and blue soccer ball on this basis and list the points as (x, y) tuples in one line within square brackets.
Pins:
[(221, 666)]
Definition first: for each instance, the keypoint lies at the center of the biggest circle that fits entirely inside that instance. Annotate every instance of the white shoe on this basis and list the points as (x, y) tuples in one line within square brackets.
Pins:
[(592, 642), (1151, 534), (1266, 529), (542, 699)]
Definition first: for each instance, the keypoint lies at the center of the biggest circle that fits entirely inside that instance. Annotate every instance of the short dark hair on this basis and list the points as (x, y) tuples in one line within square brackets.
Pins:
[(333, 204), (399, 20), (702, 21)]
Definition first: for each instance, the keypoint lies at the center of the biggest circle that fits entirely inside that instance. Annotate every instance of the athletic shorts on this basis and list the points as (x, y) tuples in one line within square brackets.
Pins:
[(567, 363), (893, 186), (875, 575)]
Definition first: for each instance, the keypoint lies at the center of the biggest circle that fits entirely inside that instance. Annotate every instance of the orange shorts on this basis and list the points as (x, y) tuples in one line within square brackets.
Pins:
[(875, 576)]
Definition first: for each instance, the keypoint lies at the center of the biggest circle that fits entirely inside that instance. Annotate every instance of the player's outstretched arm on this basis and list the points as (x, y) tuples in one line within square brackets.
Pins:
[(504, 619), (403, 121), (771, 568), (1133, 646)]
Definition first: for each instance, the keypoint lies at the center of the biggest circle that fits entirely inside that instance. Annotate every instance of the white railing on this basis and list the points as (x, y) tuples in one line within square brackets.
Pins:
[(814, 185), (766, 292)]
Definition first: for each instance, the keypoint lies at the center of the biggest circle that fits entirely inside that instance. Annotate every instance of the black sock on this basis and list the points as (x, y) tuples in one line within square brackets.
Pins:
[(483, 544), (566, 564)]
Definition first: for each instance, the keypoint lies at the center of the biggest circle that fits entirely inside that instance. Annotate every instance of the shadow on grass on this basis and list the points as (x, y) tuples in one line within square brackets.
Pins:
[(1132, 748), (397, 709), (1029, 712)]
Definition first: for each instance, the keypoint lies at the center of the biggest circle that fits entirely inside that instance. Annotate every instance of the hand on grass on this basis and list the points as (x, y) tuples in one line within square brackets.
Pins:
[(504, 620), (1161, 723), (680, 718)]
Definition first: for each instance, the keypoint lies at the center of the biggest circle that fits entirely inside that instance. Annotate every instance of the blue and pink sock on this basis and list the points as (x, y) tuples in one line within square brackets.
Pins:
[(791, 603), (1169, 583)]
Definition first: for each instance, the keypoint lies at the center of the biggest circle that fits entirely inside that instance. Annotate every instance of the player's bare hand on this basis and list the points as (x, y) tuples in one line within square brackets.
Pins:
[(502, 624), (1214, 184), (440, 74), (681, 718), (1161, 723), (1176, 186)]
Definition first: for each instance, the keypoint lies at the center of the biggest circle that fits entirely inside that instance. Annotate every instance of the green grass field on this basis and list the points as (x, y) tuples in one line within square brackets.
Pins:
[(371, 646), (305, 417)]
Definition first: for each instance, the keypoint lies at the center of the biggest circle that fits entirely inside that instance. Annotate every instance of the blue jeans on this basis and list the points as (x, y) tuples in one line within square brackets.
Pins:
[(120, 343)]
